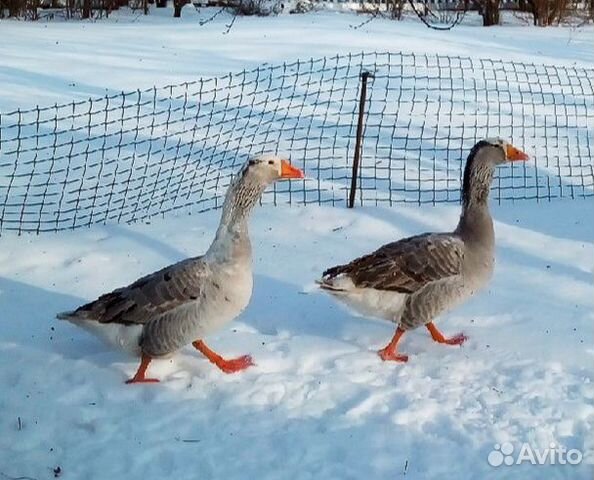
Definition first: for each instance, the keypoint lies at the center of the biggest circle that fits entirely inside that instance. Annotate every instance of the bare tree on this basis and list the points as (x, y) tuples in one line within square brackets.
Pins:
[(27, 9), (10, 8), (177, 7), (86, 9), (395, 8), (548, 12), (489, 10)]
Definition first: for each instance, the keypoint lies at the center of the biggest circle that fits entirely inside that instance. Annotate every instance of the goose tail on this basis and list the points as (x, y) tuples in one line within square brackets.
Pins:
[(71, 316), (324, 285)]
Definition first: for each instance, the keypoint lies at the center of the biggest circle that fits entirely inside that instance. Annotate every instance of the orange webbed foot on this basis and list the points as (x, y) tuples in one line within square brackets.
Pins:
[(389, 352), (458, 339), (236, 364), (437, 336), (228, 366), (387, 355), (139, 376)]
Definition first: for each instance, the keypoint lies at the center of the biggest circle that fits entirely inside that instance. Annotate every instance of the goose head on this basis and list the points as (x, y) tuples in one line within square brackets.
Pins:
[(484, 157), (265, 169), (498, 151), (246, 188)]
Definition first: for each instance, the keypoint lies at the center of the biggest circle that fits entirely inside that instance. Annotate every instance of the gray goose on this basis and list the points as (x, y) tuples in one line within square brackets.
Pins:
[(412, 281), (182, 303)]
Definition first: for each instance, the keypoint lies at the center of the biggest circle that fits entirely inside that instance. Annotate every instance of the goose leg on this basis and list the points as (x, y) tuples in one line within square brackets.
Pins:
[(139, 375), (389, 351), (439, 338), (228, 366)]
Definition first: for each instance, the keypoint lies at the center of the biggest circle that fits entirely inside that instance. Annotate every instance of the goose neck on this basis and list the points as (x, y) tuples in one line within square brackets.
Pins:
[(232, 237)]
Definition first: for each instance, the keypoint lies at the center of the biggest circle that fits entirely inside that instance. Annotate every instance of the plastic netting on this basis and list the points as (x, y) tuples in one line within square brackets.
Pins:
[(134, 155)]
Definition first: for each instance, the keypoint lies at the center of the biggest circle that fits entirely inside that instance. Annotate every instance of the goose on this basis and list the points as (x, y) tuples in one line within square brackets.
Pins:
[(181, 304), (412, 281)]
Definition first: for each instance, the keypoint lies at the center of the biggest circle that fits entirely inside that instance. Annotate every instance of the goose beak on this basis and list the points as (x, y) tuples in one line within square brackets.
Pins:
[(514, 154), (289, 171)]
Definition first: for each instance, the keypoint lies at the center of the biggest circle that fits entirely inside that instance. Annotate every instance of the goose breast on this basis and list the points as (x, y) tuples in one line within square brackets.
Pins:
[(223, 296)]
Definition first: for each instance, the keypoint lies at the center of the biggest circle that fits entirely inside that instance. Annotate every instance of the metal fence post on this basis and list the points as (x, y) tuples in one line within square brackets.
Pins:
[(359, 139)]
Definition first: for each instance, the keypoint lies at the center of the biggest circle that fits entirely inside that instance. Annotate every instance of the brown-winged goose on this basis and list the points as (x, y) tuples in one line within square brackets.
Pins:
[(182, 303), (412, 281)]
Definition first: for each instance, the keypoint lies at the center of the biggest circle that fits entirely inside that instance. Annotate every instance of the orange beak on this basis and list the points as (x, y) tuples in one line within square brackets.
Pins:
[(289, 171), (514, 154)]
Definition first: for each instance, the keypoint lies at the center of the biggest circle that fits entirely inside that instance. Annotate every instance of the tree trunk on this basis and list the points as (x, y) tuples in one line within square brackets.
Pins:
[(533, 9), (490, 13), (86, 9), (177, 8)]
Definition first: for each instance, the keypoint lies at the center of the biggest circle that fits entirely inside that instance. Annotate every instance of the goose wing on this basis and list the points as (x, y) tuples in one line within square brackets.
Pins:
[(149, 296), (404, 266)]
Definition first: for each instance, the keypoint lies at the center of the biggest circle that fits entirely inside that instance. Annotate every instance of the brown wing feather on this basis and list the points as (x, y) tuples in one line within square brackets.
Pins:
[(406, 265), (148, 296)]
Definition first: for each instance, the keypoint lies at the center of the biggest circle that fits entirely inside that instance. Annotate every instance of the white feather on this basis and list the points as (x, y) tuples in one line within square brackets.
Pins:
[(370, 302), (124, 337)]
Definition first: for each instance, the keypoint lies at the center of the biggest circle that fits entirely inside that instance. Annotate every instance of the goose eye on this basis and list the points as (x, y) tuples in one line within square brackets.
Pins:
[(270, 162), (252, 162)]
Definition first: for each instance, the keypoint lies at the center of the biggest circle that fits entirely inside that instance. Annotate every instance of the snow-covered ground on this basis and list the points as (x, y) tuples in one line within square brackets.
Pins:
[(47, 62), (319, 404)]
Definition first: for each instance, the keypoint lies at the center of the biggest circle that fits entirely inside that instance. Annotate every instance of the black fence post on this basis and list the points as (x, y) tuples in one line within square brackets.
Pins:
[(359, 139)]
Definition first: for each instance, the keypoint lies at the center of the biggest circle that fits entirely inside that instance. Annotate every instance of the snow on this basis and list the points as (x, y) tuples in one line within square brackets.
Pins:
[(319, 403), (47, 62)]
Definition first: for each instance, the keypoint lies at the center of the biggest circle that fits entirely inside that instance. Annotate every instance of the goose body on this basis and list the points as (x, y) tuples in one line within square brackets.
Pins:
[(393, 282), (181, 304), (166, 310), (412, 281)]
